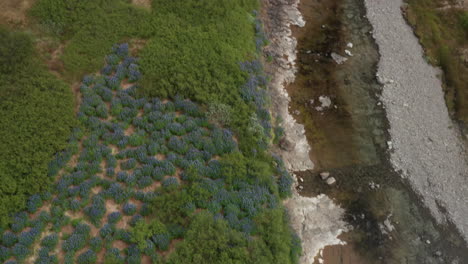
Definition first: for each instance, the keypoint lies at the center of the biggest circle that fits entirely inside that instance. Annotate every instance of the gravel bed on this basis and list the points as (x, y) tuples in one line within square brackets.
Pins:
[(426, 145)]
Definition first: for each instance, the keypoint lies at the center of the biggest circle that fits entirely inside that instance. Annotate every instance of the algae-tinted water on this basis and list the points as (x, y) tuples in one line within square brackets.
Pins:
[(349, 139)]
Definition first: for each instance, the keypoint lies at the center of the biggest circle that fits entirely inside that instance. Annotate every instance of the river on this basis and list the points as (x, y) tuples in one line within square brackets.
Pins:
[(350, 139)]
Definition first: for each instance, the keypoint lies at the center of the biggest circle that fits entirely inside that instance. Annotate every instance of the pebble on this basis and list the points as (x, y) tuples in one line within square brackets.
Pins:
[(347, 52), (349, 45), (331, 180), (428, 242), (301, 187), (301, 179), (390, 145), (438, 253), (324, 175)]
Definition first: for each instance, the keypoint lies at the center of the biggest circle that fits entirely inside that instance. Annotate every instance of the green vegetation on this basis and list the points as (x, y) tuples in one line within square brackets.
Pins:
[(159, 177), (88, 28), (464, 21), (194, 49), (444, 33), (156, 177), (36, 113)]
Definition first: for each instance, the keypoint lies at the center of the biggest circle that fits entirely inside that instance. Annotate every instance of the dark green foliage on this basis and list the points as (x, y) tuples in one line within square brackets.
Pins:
[(211, 241), (35, 125), (155, 231), (16, 51), (87, 257), (50, 241), (464, 21), (90, 26), (113, 257)]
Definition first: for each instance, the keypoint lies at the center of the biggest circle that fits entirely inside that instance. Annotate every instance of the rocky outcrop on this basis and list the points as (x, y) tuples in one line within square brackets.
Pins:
[(318, 223), (316, 220)]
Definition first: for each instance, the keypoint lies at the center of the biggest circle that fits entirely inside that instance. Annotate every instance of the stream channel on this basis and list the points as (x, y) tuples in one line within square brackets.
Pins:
[(349, 139)]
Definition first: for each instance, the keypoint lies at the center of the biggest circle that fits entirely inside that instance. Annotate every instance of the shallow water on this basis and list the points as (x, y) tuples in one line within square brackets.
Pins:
[(349, 139)]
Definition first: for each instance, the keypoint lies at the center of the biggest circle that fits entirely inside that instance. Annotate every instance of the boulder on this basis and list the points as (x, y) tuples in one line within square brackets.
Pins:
[(286, 144), (331, 181), (324, 175)]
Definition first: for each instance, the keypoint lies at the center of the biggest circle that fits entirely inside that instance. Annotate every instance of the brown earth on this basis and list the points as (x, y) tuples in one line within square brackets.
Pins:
[(13, 12), (142, 3)]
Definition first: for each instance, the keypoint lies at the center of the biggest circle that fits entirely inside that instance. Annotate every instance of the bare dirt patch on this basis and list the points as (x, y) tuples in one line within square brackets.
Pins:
[(123, 223), (119, 244), (13, 12), (152, 187), (160, 156), (130, 130), (142, 3), (146, 260), (111, 207), (96, 189)]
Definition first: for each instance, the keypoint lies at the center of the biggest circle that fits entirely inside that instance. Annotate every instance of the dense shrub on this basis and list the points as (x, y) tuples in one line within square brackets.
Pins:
[(114, 217), (74, 243), (50, 241), (20, 251), (87, 257), (35, 125), (113, 257), (129, 209), (9, 239)]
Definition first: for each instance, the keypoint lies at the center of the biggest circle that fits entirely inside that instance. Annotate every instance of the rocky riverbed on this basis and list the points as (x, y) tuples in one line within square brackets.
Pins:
[(427, 148), (332, 90), (317, 220)]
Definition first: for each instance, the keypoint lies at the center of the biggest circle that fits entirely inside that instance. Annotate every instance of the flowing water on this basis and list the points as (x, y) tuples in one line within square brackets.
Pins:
[(349, 139)]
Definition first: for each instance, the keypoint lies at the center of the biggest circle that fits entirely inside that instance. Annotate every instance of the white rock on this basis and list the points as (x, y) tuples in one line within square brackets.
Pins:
[(347, 52), (338, 58), (320, 260), (349, 45), (331, 181), (301, 179), (390, 145), (324, 175), (325, 101), (428, 242), (317, 221)]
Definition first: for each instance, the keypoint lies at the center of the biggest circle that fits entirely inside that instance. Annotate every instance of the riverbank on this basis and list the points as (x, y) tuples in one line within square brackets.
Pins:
[(427, 148), (317, 220)]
